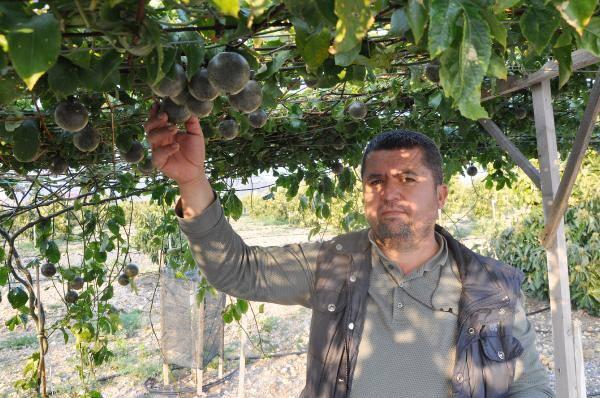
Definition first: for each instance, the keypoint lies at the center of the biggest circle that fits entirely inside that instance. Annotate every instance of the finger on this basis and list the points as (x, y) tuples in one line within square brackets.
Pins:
[(154, 110), (159, 120), (161, 155), (192, 125), (161, 136)]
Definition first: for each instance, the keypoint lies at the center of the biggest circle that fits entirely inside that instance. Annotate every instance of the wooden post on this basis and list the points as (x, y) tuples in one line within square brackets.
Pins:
[(582, 140), (242, 379), (166, 371), (221, 350), (579, 364), (556, 252), (199, 343)]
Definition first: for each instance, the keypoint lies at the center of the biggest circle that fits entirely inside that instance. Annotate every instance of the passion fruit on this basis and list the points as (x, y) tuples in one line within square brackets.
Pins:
[(228, 72), (71, 116), (201, 88), (249, 99)]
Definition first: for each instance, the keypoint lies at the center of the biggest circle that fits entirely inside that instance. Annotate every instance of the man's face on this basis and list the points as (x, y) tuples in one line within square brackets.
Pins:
[(400, 195)]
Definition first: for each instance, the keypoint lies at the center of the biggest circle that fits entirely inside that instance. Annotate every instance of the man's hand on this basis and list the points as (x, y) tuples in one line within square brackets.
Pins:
[(178, 155)]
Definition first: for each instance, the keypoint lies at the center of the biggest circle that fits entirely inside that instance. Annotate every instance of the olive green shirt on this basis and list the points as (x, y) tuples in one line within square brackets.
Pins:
[(285, 275)]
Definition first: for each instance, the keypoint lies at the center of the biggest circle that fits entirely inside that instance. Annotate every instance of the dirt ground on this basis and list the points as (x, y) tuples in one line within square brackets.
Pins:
[(136, 370)]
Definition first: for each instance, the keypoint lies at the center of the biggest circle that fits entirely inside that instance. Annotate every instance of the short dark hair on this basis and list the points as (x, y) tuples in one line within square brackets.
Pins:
[(399, 139)]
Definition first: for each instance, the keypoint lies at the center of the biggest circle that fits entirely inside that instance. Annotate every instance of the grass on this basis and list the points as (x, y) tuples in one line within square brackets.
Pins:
[(134, 359), (18, 342), (132, 322)]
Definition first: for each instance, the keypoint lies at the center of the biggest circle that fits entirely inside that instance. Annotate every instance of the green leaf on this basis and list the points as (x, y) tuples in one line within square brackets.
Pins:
[(348, 57), (104, 72), (228, 7), (577, 13), (242, 305), (271, 93), (261, 309), (442, 18), (399, 22), (113, 227), (312, 13), (355, 17), (232, 205), (15, 321), (193, 47), (65, 335), (17, 297), (10, 89), (34, 46), (108, 293), (81, 57), (565, 63), (591, 37), (227, 318), (462, 80), (497, 66), (274, 65), (3, 275), (63, 78), (313, 46), (52, 252), (497, 28), (538, 26), (417, 18)]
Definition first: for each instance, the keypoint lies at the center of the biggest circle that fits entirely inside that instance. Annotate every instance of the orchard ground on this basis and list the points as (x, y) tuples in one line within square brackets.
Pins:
[(135, 371)]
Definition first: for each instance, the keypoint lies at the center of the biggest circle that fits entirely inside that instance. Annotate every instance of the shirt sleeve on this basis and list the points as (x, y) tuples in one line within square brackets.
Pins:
[(277, 274), (531, 378)]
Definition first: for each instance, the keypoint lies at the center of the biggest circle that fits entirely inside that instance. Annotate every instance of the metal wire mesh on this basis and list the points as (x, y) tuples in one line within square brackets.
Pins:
[(180, 323)]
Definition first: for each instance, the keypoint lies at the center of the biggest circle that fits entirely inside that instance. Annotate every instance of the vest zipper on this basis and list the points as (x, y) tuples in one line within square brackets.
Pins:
[(477, 305)]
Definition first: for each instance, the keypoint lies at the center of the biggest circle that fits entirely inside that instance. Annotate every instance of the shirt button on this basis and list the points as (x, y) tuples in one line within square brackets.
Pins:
[(501, 311), (471, 331), (331, 307), (353, 278), (459, 378), (340, 380), (501, 354), (351, 326), (400, 305), (338, 247)]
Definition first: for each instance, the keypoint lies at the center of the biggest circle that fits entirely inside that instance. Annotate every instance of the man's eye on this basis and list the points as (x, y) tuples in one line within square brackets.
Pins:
[(375, 182), (410, 179)]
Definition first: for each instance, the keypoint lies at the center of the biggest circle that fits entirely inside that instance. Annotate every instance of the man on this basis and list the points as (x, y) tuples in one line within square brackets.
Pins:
[(400, 309)]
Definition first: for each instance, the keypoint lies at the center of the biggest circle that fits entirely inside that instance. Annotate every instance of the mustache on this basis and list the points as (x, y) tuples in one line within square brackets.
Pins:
[(395, 208)]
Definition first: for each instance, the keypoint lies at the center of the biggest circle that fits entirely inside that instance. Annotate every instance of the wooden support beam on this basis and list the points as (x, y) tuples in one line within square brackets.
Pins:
[(510, 148), (242, 371), (582, 141), (556, 253), (580, 58), (199, 360)]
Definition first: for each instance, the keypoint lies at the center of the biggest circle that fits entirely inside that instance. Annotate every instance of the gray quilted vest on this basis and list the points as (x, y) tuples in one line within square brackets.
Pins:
[(485, 347)]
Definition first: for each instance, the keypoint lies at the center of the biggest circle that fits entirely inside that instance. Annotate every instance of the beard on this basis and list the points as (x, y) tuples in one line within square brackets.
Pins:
[(403, 234), (404, 231)]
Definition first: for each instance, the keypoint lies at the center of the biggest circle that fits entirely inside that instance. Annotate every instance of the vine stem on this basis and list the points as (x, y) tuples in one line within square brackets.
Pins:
[(82, 13), (41, 337)]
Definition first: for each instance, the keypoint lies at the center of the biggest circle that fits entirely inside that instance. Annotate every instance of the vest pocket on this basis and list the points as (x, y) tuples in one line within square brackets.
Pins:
[(329, 301), (498, 346)]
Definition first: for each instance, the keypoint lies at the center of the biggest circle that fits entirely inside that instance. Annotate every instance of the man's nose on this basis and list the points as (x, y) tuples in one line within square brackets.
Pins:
[(392, 192)]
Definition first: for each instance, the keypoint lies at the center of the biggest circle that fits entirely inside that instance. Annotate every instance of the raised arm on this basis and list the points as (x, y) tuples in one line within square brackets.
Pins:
[(281, 275)]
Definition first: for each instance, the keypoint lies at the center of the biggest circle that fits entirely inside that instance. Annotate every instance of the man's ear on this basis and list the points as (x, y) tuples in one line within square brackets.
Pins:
[(442, 195)]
